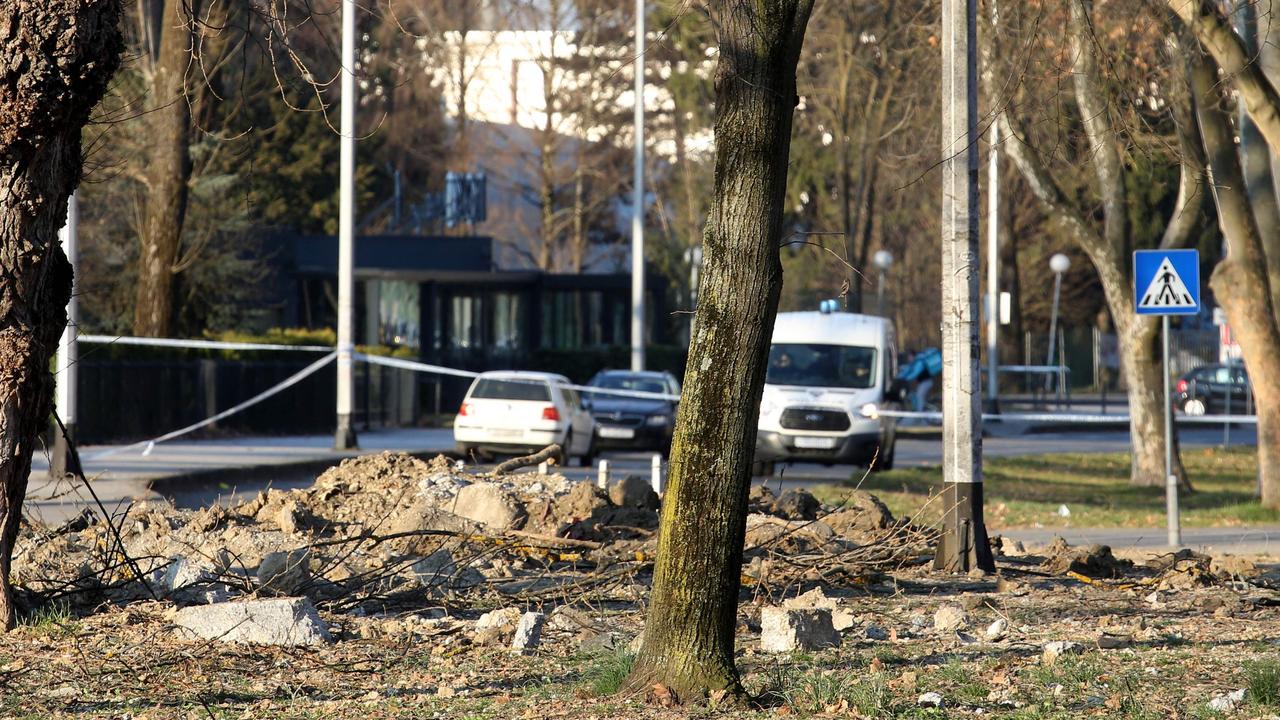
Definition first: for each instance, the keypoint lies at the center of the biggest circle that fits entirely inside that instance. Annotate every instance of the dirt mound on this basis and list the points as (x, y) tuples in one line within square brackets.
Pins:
[(1095, 561)]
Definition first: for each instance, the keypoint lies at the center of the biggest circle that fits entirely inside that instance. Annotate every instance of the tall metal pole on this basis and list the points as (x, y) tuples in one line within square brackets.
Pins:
[(344, 437), (68, 351), (880, 296), (993, 267), (963, 545), (993, 246), (1053, 327), (1171, 480), (637, 204)]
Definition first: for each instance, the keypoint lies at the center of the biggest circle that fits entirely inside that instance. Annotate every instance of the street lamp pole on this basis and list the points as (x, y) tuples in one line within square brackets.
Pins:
[(1059, 264), (883, 260), (68, 352), (344, 437), (964, 545), (637, 204)]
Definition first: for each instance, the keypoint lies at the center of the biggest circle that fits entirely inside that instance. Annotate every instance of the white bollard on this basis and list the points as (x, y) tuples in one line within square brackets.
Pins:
[(542, 467), (657, 473), (602, 475)]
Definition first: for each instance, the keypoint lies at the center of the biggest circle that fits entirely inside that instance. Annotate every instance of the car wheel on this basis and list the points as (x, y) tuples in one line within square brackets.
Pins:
[(1194, 407), (464, 450), (763, 468)]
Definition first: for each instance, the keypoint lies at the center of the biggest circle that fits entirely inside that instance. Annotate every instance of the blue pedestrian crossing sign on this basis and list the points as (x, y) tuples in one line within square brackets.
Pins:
[(1166, 282)]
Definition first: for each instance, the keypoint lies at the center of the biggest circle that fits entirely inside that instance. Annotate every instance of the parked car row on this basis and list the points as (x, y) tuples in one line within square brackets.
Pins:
[(825, 371), (512, 412)]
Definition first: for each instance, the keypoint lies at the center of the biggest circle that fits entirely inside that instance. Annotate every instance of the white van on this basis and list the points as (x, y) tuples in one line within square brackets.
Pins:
[(824, 368)]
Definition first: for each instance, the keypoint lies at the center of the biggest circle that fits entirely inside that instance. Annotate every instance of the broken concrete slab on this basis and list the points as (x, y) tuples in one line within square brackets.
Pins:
[(528, 632), (285, 572), (950, 618), (279, 621), (490, 504), (789, 629)]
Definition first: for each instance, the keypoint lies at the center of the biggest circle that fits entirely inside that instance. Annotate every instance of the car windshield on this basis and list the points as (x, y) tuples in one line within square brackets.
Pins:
[(806, 365), (633, 383), (512, 389)]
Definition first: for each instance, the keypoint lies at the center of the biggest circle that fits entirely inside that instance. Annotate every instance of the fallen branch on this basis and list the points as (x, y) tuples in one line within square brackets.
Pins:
[(516, 463)]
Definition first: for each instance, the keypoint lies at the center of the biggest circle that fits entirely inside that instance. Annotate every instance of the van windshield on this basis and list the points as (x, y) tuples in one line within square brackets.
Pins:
[(805, 365), (491, 389)]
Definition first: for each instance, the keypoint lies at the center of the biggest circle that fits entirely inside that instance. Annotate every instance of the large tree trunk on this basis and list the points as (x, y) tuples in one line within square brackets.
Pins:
[(688, 637), (168, 171), (1256, 155), (59, 55), (1239, 281)]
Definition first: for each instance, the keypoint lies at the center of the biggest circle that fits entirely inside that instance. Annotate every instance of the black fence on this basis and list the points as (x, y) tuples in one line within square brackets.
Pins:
[(129, 399), (121, 400)]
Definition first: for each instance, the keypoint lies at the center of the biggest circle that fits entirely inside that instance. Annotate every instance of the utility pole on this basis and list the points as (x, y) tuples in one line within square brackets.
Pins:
[(68, 351), (637, 204), (963, 545), (344, 437)]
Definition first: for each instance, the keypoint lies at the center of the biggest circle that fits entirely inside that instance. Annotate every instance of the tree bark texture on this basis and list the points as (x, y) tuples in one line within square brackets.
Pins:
[(1239, 281), (57, 58), (1255, 156), (1107, 250), (168, 170), (689, 633)]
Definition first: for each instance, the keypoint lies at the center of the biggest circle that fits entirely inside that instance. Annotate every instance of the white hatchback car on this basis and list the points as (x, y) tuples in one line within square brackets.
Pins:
[(523, 412)]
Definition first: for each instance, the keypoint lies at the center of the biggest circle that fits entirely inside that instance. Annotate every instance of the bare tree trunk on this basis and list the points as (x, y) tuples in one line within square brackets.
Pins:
[(60, 53), (688, 637), (167, 173), (1256, 159), (1239, 281)]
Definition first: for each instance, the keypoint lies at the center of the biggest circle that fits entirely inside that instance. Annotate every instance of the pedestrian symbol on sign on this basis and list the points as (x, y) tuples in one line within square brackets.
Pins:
[(1167, 290)]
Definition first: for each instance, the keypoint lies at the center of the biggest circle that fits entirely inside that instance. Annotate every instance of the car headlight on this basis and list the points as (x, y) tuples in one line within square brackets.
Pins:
[(870, 411), (658, 420)]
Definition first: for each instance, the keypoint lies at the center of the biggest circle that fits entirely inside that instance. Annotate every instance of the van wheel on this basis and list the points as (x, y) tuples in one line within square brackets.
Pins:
[(884, 460)]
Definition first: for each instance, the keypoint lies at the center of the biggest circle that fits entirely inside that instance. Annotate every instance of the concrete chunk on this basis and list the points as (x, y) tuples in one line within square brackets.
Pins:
[(285, 572), (282, 621), (528, 632), (787, 629)]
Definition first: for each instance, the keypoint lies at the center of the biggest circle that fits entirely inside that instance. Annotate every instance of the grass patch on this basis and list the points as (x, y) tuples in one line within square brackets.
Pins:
[(1262, 680), (607, 671), (52, 617), (1027, 491)]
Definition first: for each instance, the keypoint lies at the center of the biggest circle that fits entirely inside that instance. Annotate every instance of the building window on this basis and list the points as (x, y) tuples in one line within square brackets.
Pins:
[(466, 322), (399, 311), (508, 320)]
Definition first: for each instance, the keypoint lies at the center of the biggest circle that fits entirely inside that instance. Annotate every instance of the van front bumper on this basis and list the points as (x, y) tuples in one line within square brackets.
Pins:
[(856, 448)]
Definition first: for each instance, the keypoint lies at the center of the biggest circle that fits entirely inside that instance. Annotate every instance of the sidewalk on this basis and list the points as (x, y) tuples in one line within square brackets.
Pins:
[(1260, 540), (122, 478)]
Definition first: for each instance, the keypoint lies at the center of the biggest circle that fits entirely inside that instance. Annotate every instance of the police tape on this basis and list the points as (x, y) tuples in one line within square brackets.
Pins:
[(1063, 418), (195, 344)]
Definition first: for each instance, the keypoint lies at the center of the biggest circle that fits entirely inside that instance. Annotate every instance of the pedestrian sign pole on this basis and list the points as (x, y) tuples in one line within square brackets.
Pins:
[(1167, 282)]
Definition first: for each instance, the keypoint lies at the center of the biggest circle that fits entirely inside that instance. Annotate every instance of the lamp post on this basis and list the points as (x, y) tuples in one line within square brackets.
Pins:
[(883, 260), (637, 203), (1059, 264), (344, 437)]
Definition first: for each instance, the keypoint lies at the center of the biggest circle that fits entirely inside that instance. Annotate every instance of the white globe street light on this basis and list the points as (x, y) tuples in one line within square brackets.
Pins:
[(1059, 264), (883, 260)]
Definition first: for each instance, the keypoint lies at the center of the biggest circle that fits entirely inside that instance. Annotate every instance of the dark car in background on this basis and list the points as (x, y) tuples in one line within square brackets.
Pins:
[(633, 423), (1212, 390)]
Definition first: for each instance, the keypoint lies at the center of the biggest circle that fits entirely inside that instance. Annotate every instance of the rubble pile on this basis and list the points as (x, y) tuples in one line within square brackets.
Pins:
[(381, 532)]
